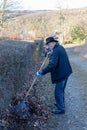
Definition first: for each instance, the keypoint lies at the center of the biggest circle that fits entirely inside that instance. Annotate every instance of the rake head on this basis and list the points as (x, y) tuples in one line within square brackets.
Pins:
[(21, 110)]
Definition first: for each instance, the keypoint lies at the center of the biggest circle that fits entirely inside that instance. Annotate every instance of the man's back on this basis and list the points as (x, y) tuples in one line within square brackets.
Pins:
[(59, 64)]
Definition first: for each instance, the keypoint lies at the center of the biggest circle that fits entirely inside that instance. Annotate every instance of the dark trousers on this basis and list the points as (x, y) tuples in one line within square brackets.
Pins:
[(59, 94)]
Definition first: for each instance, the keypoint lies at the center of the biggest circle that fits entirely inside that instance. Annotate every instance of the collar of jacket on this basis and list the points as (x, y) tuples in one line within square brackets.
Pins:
[(56, 45)]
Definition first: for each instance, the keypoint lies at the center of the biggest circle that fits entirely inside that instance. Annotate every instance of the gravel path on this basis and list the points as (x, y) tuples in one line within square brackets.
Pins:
[(75, 117)]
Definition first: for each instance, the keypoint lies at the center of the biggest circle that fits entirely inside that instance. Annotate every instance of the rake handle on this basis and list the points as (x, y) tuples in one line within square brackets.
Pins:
[(36, 77)]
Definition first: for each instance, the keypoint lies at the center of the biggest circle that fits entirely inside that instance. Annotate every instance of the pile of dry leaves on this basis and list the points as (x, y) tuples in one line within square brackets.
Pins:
[(36, 119), (37, 111)]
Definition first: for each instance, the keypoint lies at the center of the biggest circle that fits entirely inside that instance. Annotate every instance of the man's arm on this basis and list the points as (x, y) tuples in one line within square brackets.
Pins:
[(53, 62)]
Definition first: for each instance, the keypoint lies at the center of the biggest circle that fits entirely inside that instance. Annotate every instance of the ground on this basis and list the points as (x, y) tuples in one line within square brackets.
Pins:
[(75, 117)]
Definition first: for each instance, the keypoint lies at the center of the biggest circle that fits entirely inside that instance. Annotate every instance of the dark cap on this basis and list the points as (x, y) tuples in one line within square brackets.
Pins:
[(50, 39)]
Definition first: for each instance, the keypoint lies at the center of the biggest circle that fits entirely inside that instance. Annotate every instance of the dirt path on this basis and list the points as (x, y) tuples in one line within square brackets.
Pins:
[(76, 97)]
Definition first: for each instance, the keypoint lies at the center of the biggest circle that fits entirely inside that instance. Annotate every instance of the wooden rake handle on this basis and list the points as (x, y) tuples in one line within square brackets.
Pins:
[(36, 77)]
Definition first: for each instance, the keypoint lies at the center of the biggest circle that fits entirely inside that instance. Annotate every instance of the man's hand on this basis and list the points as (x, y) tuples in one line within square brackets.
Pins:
[(39, 73), (49, 52)]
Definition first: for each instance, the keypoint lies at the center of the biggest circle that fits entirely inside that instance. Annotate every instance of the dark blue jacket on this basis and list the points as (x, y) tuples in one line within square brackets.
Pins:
[(58, 65)]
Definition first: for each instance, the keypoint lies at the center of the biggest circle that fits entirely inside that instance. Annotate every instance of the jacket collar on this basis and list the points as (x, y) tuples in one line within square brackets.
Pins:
[(56, 45)]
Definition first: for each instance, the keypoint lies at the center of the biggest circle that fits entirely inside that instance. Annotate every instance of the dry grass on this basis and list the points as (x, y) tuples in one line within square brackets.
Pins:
[(32, 25)]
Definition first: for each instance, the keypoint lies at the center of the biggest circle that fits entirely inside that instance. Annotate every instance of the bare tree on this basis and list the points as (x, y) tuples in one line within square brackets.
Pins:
[(61, 19), (2, 12), (7, 5)]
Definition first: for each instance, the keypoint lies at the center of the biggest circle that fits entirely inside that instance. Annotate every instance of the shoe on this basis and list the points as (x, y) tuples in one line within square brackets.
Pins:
[(58, 111)]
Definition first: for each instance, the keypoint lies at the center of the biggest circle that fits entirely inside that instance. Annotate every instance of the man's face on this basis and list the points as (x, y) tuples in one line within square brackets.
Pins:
[(51, 45)]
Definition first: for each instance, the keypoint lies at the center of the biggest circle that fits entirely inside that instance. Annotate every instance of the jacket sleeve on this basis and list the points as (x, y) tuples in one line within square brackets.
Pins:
[(53, 62)]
